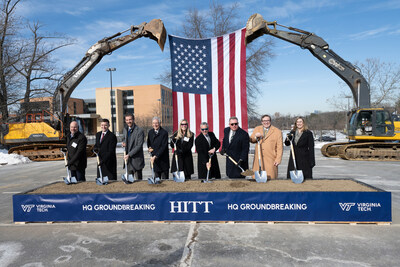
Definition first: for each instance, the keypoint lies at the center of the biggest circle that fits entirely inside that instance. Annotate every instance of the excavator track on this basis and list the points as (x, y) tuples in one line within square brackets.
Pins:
[(331, 150), (374, 151), (44, 152)]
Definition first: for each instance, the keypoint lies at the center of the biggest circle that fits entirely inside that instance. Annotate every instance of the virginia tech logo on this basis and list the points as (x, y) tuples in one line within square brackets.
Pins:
[(27, 208), (346, 206)]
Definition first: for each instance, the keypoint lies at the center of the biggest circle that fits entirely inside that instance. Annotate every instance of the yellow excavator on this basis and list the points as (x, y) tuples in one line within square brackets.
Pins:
[(373, 133), (39, 140)]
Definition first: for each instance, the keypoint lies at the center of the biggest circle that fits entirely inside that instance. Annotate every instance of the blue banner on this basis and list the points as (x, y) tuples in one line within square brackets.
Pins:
[(228, 206)]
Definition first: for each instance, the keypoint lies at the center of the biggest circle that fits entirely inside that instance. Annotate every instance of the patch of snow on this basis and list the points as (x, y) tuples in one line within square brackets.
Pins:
[(12, 159)]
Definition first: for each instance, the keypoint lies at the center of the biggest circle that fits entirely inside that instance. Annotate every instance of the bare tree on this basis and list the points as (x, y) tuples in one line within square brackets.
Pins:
[(220, 20), (384, 82), (37, 67), (8, 55)]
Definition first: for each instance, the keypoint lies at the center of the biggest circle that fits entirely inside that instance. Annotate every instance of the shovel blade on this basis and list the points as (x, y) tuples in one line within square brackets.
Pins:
[(261, 177), (127, 179), (67, 180), (103, 181), (70, 180), (152, 180), (179, 177), (297, 176)]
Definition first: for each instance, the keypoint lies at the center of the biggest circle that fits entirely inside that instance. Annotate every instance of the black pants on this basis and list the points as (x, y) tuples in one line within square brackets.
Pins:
[(138, 174), (79, 174), (162, 175)]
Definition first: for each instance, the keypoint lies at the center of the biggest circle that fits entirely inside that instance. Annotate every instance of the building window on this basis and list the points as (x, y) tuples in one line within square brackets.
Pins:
[(128, 102), (128, 111), (74, 107)]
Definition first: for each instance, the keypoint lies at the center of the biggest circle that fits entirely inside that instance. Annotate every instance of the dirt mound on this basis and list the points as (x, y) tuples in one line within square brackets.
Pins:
[(225, 185)]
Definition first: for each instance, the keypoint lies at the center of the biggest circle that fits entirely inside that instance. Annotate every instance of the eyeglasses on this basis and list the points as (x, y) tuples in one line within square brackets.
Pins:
[(233, 124), (183, 124), (204, 129), (266, 121)]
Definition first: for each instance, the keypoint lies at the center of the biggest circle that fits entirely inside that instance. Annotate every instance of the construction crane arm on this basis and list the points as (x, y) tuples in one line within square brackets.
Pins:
[(154, 30), (256, 26)]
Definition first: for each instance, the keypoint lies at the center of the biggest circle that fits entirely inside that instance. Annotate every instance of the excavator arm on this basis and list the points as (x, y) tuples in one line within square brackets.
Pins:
[(257, 26), (154, 30)]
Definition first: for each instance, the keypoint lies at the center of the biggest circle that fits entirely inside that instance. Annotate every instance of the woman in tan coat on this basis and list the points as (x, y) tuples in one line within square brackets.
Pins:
[(271, 147)]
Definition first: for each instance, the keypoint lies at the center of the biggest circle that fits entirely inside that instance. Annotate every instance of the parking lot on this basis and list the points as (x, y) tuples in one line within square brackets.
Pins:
[(199, 244)]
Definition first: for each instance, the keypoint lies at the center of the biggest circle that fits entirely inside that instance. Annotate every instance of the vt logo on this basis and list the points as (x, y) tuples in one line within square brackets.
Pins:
[(27, 208), (346, 206)]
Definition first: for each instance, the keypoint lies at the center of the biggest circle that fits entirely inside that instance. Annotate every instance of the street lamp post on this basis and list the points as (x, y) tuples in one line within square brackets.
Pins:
[(111, 99), (160, 109)]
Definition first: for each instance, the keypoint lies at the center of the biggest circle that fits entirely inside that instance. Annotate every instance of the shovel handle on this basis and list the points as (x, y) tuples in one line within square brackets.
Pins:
[(176, 158), (294, 158), (209, 161), (126, 161), (233, 160)]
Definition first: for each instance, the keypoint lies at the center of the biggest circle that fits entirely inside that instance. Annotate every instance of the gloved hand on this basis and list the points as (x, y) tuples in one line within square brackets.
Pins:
[(222, 151)]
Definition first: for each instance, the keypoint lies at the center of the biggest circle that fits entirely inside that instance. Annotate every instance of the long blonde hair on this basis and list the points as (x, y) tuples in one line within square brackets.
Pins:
[(305, 126), (181, 134)]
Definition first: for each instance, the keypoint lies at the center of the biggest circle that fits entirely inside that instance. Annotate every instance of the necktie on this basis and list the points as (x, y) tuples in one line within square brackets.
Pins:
[(230, 139), (102, 136), (129, 132), (266, 131), (208, 139)]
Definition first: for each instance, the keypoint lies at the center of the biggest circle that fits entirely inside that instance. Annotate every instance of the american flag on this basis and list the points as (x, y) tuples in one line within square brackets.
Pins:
[(209, 81)]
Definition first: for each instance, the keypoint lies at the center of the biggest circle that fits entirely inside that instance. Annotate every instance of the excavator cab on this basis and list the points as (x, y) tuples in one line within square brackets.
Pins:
[(370, 124)]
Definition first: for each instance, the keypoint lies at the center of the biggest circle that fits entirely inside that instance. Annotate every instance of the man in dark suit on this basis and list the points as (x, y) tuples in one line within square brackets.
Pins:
[(133, 143), (106, 143), (236, 145), (207, 144), (76, 150), (157, 142)]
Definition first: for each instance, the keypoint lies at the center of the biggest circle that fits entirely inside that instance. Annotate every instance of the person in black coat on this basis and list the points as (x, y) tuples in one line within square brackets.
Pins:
[(157, 143), (76, 152), (183, 139), (106, 144), (207, 144), (236, 145), (303, 145)]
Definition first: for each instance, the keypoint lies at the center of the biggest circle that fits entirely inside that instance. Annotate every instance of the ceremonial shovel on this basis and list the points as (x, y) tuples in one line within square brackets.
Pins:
[(127, 179), (244, 173), (296, 175), (100, 180), (261, 176), (208, 171), (152, 180), (179, 176), (68, 179)]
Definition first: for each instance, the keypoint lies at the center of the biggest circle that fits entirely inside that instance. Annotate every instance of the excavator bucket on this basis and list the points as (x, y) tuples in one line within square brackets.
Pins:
[(255, 27), (155, 30)]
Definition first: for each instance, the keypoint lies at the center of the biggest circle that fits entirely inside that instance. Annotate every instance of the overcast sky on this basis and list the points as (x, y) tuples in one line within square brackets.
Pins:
[(296, 82)]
